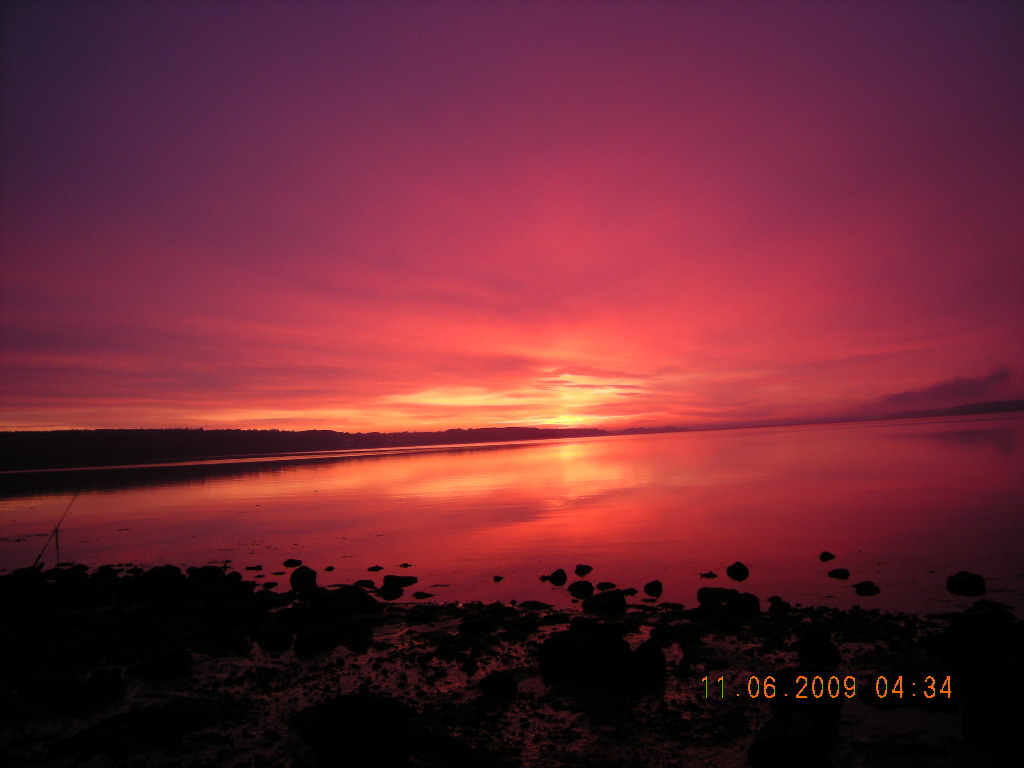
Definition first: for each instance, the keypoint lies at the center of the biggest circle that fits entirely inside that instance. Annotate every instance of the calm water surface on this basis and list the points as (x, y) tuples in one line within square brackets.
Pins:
[(901, 503)]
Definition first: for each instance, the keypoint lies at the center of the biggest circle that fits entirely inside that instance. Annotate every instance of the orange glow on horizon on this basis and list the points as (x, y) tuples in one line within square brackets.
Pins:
[(667, 214)]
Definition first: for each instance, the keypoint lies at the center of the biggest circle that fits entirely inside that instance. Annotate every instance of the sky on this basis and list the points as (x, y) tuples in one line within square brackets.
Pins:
[(423, 215)]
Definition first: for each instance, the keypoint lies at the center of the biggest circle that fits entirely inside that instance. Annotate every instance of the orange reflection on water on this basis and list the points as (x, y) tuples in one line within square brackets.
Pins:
[(902, 504)]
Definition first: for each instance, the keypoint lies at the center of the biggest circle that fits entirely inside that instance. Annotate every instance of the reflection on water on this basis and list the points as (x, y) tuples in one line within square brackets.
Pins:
[(901, 503)]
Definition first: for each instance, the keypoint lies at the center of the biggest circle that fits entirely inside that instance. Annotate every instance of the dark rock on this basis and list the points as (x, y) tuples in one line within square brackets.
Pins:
[(746, 604), (221, 641), (685, 633), (422, 614), (312, 641), (498, 578), (777, 606), (583, 570), (612, 601), (291, 562), (375, 568), (398, 581), (716, 595), (254, 567), (145, 730), (167, 663), (790, 740), (839, 573), (274, 640), (653, 588), (499, 685), (207, 574), (651, 665), (628, 591), (737, 571), (523, 625), (604, 586), (365, 584), (709, 575), (405, 565), (422, 595), (303, 579), (581, 589), (351, 599), (75, 696), (558, 577), (815, 647), (826, 556), (866, 589), (993, 712), (587, 654), (534, 605), (716, 599), (390, 592), (329, 568), (965, 584), (364, 728)]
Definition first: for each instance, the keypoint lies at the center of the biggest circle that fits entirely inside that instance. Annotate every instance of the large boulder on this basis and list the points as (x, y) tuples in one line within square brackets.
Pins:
[(303, 579), (588, 654), (965, 584), (610, 601)]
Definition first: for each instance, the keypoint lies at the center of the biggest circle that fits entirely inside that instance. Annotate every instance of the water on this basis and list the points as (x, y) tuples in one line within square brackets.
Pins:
[(901, 503)]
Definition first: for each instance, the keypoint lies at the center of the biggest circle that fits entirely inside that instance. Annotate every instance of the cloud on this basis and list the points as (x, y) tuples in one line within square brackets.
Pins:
[(954, 391)]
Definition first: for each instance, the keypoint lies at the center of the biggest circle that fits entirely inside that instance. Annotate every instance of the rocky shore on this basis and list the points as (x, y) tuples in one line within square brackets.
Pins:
[(124, 666)]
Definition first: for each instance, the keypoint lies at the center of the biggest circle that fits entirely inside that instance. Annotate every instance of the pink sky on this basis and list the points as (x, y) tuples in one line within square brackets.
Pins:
[(400, 215)]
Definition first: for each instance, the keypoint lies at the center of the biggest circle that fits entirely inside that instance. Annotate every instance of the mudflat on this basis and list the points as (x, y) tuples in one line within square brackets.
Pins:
[(119, 665)]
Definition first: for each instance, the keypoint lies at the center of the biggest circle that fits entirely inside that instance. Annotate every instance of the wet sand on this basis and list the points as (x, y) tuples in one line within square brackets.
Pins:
[(124, 666)]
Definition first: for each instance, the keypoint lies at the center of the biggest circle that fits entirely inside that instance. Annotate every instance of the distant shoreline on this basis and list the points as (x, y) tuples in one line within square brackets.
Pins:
[(79, 449), (75, 449)]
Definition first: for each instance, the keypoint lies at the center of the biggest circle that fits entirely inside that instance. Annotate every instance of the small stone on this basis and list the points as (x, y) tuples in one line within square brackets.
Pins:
[(826, 556), (583, 570), (375, 568), (604, 586), (709, 575), (497, 578), (737, 571), (867, 589), (558, 577), (291, 562), (839, 573)]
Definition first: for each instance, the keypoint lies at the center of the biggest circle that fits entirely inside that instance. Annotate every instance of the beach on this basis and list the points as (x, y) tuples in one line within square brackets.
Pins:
[(121, 665)]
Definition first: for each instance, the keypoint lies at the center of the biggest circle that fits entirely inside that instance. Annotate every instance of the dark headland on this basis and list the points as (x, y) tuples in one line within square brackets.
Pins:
[(27, 450)]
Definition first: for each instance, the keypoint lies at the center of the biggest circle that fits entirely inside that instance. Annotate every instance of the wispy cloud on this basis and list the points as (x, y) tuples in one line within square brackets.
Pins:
[(955, 391)]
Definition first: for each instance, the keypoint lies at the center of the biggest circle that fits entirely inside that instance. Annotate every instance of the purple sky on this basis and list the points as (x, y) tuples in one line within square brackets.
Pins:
[(401, 215)]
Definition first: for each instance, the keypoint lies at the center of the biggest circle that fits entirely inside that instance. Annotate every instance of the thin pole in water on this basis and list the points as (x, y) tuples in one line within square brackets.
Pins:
[(56, 528)]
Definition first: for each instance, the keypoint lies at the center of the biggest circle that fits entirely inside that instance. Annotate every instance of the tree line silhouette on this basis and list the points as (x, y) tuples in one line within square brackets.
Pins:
[(111, 447)]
